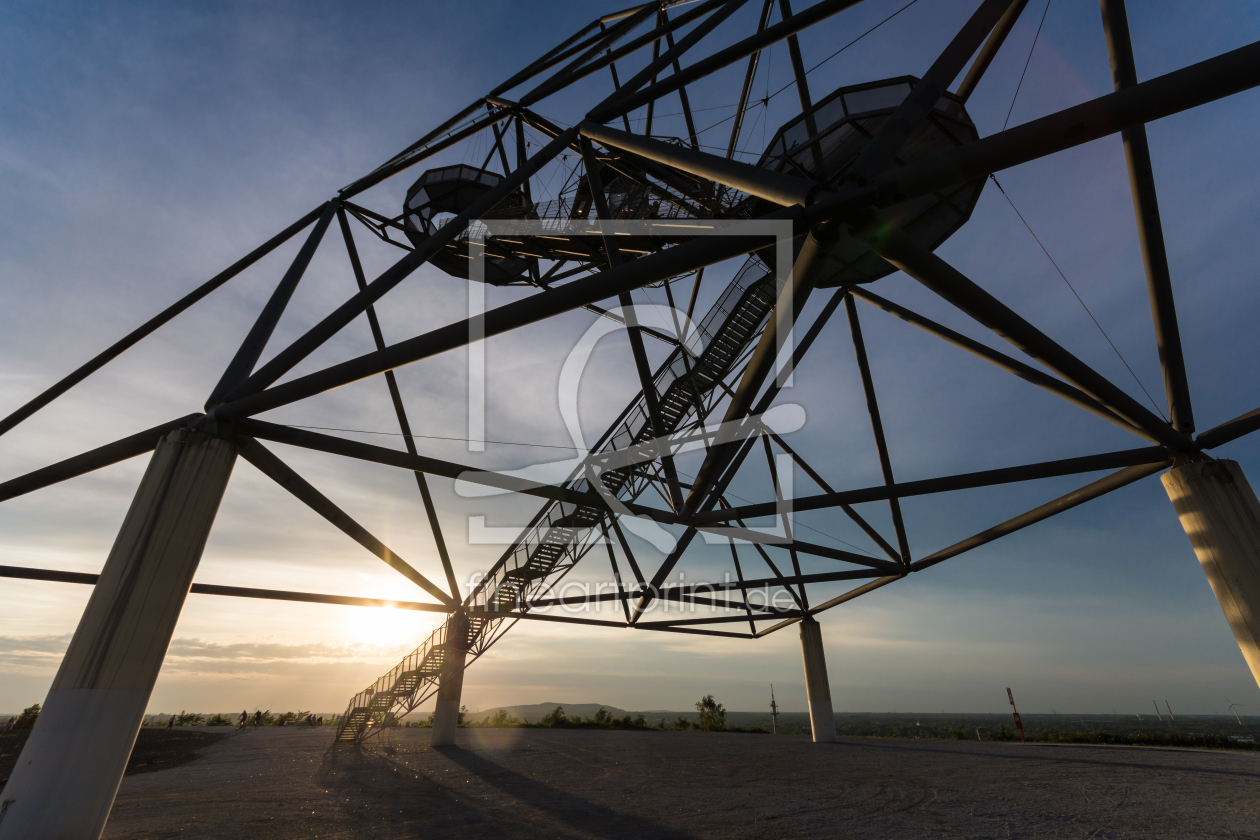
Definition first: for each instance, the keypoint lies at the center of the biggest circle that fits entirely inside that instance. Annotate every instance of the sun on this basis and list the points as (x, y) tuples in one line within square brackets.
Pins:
[(385, 626)]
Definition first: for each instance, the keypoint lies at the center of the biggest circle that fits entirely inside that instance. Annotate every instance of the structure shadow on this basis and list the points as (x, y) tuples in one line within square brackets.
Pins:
[(377, 787), (1061, 759), (559, 805)]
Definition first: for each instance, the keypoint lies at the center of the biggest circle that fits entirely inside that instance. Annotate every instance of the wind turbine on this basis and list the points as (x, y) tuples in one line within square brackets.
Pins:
[(1233, 707), (774, 712)]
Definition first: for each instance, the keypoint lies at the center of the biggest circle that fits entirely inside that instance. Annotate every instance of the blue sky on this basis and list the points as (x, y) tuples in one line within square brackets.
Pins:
[(146, 146)]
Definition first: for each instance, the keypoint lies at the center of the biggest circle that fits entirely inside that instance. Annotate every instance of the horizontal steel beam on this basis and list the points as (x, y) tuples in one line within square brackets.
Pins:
[(965, 481), (569, 619), (1090, 491), (834, 602), (94, 459), (690, 592), (760, 538), (25, 573)]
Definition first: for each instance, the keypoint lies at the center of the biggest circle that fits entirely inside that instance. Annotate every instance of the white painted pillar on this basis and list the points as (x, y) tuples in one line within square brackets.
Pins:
[(64, 784), (821, 717), (451, 686), (1221, 516)]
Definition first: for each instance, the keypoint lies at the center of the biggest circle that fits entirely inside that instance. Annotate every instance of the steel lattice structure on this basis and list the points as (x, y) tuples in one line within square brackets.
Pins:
[(870, 179)]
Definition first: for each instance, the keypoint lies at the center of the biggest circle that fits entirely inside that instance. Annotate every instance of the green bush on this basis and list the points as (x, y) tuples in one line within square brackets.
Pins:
[(712, 714), (220, 720), (26, 720), (556, 718)]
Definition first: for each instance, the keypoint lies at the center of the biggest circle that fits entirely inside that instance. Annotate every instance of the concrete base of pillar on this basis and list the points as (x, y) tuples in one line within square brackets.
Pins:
[(98, 727), (445, 722), (70, 769), (822, 718), (1221, 515), (446, 715)]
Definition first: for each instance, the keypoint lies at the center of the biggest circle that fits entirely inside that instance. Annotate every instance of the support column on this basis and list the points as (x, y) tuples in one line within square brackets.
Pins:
[(822, 719), (451, 687), (64, 784), (1221, 516)]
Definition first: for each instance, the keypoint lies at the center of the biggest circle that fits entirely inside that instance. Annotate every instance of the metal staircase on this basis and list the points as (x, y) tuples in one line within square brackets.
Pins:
[(561, 533)]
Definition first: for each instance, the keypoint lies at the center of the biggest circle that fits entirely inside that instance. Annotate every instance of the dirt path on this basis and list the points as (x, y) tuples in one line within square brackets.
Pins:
[(525, 783)]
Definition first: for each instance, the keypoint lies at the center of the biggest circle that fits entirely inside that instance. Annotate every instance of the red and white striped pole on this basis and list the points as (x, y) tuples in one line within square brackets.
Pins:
[(1019, 724)]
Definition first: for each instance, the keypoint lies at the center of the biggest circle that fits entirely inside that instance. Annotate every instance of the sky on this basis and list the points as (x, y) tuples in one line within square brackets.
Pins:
[(146, 146)]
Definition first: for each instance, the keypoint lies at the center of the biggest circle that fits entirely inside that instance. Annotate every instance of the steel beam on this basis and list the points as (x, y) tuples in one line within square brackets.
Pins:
[(1169, 94), (669, 263), (403, 162), (1137, 153), (433, 466), (933, 272), (583, 66), (562, 80), (314, 338), (1163, 96), (857, 518), (776, 187), (877, 427), (92, 460), (281, 473), (878, 154), (646, 382), (749, 75), (965, 481), (990, 49), (1090, 491), (1230, 430), (24, 573), (242, 364), (1026, 372), (686, 42), (404, 425), (723, 58), (126, 342), (809, 265)]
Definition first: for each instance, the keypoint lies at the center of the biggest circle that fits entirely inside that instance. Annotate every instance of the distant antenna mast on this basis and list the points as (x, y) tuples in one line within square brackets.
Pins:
[(1234, 707), (1157, 712), (1019, 724), (774, 712), (1170, 714)]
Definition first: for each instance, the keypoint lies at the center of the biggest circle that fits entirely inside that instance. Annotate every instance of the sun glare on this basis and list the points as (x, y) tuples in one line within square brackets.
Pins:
[(384, 626)]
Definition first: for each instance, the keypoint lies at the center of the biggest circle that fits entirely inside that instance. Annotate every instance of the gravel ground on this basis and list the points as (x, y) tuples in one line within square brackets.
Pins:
[(525, 783)]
